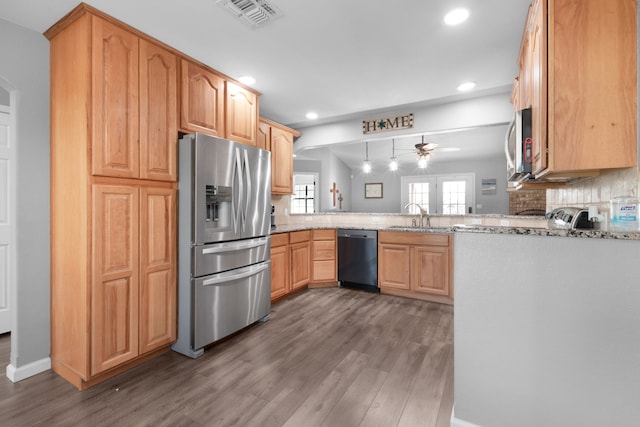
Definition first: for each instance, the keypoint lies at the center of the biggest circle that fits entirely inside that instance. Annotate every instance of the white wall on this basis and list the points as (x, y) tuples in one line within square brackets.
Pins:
[(24, 63), (546, 331), (391, 202), (332, 170), (480, 111)]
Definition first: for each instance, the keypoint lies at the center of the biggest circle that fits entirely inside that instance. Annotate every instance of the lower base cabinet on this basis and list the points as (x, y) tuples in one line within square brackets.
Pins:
[(300, 257), (324, 264), (125, 313), (416, 265), (290, 262), (279, 265)]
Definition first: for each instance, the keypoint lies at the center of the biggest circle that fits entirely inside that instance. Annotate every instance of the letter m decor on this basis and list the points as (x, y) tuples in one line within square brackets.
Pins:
[(387, 124)]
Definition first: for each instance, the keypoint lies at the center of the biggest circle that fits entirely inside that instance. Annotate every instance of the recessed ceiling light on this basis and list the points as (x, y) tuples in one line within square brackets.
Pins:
[(247, 80), (466, 86), (456, 16), (312, 116)]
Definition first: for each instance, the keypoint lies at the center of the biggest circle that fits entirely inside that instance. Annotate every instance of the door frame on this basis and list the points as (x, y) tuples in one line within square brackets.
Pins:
[(435, 191), (12, 214)]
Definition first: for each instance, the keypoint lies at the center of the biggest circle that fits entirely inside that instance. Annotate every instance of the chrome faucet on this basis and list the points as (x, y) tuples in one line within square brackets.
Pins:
[(423, 214)]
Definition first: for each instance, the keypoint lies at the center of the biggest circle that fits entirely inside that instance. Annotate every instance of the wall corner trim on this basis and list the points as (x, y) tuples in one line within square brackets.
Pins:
[(28, 370)]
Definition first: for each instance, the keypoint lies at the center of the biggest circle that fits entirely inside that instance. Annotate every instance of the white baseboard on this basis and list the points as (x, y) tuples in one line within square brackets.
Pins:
[(455, 422), (29, 370)]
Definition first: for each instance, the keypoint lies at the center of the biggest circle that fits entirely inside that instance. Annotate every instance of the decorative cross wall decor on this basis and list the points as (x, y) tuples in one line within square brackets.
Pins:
[(335, 191)]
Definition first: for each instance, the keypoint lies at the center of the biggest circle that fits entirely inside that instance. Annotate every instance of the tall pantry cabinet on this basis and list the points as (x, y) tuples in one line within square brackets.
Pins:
[(113, 197)]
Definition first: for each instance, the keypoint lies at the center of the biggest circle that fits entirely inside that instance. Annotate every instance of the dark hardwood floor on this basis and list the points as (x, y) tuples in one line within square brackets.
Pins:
[(330, 357)]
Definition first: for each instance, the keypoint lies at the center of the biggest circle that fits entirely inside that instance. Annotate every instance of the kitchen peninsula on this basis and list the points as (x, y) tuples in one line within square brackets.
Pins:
[(557, 330)]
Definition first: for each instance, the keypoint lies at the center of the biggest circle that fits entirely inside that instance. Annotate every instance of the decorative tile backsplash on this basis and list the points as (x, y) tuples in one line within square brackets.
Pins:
[(596, 191)]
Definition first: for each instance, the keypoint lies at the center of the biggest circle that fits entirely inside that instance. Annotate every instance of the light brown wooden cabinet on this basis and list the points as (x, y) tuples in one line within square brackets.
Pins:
[(280, 265), (241, 114), (113, 197), (290, 262), (300, 258), (280, 143), (158, 274), (202, 100), (215, 105), (158, 113), (115, 280), (324, 260), (416, 265), (263, 136), (134, 99), (582, 81)]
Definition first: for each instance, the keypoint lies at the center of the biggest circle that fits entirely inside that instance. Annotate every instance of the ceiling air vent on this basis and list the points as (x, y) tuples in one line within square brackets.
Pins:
[(251, 12)]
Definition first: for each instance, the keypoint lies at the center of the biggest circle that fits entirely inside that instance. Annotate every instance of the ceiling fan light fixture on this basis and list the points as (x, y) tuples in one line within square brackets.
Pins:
[(422, 161)]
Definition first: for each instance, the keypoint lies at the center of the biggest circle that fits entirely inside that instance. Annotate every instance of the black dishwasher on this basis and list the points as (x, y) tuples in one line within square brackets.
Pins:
[(358, 259)]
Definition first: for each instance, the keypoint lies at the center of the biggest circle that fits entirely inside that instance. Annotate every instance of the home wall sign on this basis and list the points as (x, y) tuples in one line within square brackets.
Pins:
[(387, 124)]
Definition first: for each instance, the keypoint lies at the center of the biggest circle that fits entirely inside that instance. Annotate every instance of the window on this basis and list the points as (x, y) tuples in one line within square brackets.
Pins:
[(453, 197), (303, 199), (418, 194), (442, 194)]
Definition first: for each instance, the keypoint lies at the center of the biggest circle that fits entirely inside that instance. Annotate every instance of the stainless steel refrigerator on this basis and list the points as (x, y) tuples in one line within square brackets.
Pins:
[(224, 270)]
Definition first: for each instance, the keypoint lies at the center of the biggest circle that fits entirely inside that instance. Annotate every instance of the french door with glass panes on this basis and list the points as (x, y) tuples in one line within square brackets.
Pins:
[(439, 194)]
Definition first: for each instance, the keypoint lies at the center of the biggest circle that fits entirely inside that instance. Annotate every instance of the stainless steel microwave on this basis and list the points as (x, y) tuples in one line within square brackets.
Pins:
[(517, 146)]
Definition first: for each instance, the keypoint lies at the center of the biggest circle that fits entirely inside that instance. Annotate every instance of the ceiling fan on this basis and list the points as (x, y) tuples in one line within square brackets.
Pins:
[(425, 148)]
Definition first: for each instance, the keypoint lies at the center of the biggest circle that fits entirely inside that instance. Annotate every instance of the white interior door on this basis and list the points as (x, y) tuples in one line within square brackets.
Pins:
[(456, 195), (7, 217), (439, 194)]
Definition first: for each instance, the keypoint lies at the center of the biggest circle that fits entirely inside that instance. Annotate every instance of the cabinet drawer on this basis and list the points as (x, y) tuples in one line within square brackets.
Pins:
[(328, 234), (413, 238), (280, 239), (299, 236), (324, 249)]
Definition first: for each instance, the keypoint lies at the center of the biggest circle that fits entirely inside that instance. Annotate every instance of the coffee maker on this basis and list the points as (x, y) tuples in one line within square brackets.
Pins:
[(273, 216)]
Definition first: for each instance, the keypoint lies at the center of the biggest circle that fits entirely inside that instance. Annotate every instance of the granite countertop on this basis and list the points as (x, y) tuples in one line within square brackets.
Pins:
[(525, 231)]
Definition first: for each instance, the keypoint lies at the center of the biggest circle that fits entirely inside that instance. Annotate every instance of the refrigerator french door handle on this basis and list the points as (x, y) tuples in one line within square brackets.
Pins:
[(231, 247), (247, 171), (237, 172), (246, 272)]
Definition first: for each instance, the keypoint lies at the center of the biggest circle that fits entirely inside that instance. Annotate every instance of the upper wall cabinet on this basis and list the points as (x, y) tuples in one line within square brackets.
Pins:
[(158, 113), (202, 100), (241, 114), (279, 140), (134, 105), (217, 106), (114, 63), (578, 73)]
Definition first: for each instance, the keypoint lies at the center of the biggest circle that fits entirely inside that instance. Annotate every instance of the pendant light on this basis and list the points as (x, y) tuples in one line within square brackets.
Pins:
[(422, 161), (366, 166), (393, 165)]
